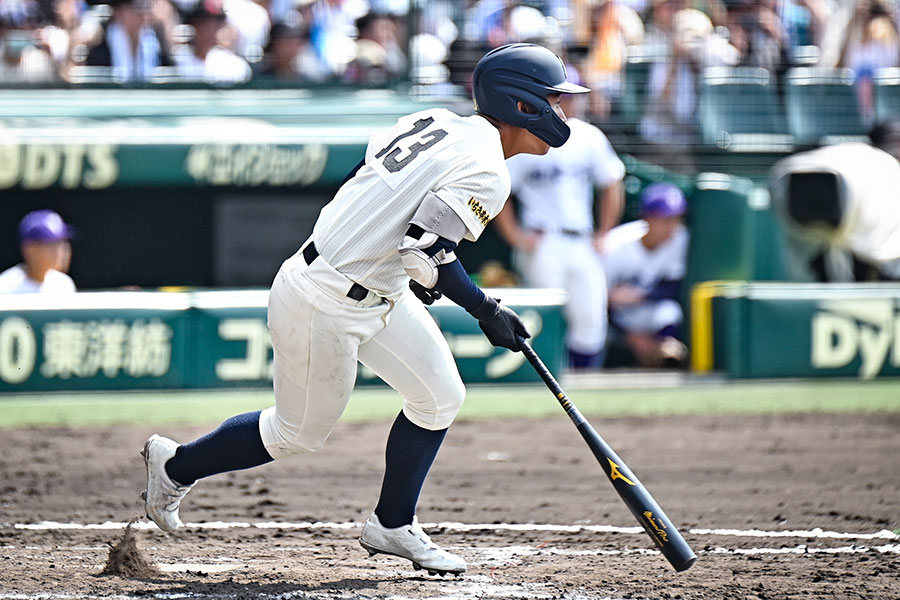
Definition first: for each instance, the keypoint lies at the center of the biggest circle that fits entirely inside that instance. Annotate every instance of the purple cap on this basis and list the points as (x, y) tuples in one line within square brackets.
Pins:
[(663, 200), (43, 226)]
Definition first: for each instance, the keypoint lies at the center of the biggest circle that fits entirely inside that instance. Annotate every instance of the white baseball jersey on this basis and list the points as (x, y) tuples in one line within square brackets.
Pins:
[(458, 158), (556, 190), (15, 281), (627, 261)]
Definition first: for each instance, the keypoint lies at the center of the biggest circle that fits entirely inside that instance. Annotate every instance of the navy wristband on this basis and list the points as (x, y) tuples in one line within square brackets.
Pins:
[(455, 283)]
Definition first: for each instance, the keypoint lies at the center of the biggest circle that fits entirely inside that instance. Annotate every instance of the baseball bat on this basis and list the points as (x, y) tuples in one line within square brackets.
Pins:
[(630, 489)]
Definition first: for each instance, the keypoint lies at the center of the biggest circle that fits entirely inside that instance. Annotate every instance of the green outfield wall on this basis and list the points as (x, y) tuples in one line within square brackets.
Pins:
[(216, 339), (750, 330)]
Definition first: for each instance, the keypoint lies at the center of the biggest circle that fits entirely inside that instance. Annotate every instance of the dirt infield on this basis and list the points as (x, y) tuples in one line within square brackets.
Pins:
[(777, 507)]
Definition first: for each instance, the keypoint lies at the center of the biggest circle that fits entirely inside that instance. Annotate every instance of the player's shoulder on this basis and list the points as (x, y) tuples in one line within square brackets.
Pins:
[(621, 237), (479, 141), (12, 279), (440, 117), (583, 128), (13, 274), (59, 281)]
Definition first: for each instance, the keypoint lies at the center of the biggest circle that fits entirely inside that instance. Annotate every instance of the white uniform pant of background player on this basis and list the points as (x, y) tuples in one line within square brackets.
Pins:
[(318, 335), (650, 317), (570, 262)]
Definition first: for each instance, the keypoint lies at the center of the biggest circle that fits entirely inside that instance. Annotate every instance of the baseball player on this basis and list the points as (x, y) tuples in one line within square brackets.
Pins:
[(354, 292), (555, 241), (46, 251), (645, 263)]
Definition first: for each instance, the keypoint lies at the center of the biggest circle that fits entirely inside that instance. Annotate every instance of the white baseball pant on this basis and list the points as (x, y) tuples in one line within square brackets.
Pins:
[(319, 334), (649, 317), (570, 263)]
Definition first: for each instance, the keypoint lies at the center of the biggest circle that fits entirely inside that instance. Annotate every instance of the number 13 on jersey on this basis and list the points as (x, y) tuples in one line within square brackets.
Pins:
[(407, 148)]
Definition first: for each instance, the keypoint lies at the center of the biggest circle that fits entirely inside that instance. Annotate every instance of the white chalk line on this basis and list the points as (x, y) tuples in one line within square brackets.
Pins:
[(817, 532), (473, 587), (505, 553)]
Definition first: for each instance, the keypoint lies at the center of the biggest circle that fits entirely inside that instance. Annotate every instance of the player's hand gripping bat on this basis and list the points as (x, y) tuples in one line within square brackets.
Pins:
[(633, 493)]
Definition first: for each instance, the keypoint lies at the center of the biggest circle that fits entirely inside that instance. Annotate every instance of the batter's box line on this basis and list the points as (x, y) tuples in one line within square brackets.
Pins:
[(817, 532)]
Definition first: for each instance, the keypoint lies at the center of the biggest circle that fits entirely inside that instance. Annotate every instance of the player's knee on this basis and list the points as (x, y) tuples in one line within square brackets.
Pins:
[(438, 409), (283, 439), (454, 400), (667, 313)]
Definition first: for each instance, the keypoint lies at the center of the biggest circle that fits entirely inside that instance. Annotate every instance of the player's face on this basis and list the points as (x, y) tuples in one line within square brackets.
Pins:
[(531, 144), (663, 227), (48, 255), (555, 104)]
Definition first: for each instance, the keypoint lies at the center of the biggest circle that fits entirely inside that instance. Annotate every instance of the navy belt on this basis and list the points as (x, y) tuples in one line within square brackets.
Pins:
[(357, 292)]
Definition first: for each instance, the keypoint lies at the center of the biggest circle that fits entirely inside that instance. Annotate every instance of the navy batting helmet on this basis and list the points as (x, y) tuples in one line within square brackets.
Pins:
[(525, 72)]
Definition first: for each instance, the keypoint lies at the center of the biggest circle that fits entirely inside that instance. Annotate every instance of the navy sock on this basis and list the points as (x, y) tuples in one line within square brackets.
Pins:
[(668, 331), (410, 452), (581, 360), (236, 444)]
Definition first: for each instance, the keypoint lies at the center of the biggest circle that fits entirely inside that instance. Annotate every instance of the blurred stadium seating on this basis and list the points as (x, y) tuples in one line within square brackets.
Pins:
[(822, 106)]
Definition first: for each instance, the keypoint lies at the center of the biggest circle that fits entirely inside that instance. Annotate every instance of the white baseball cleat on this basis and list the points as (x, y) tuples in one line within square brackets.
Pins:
[(409, 541), (163, 495)]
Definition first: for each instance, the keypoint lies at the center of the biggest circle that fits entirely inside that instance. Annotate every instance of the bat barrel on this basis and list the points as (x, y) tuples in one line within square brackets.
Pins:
[(633, 493), (639, 501)]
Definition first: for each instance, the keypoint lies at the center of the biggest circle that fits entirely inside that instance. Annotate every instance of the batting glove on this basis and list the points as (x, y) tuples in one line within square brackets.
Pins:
[(500, 324), (426, 295)]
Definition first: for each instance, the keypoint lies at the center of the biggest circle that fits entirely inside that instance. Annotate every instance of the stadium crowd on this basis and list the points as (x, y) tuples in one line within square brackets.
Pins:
[(376, 41)]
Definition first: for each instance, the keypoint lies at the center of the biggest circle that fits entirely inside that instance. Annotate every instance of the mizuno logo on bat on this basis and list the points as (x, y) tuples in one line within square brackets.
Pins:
[(615, 474)]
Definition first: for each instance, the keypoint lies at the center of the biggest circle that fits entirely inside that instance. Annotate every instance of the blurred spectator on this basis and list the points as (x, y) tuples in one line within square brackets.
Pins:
[(283, 52), (47, 253), (556, 237), (804, 23), (616, 28), (499, 22), (645, 263), (872, 43), (430, 76), (333, 32), (204, 58), (383, 30), (24, 56), (438, 19), (839, 205), (757, 32), (129, 43), (379, 56), (249, 21), (670, 123)]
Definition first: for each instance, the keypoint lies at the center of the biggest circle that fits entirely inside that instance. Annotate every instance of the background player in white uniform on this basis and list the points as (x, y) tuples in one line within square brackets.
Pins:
[(645, 263), (46, 251), (348, 295), (561, 195)]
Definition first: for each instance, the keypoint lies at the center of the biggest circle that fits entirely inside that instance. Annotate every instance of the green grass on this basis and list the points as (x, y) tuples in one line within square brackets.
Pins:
[(483, 402)]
